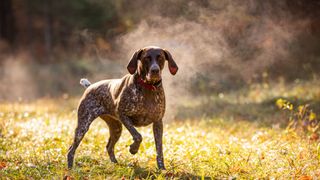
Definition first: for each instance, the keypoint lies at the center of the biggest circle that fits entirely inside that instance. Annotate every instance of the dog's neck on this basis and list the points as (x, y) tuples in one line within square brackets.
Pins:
[(141, 82)]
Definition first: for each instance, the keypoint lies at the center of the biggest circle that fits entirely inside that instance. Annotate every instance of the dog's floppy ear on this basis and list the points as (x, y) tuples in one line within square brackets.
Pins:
[(133, 63), (173, 68)]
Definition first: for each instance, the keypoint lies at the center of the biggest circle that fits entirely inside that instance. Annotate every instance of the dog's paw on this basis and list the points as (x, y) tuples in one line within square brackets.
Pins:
[(114, 161), (134, 148)]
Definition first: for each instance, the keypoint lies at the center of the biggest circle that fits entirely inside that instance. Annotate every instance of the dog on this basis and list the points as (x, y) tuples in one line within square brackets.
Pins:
[(135, 100)]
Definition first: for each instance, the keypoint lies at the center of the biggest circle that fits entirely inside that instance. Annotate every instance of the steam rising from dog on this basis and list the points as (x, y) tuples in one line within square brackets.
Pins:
[(204, 41), (16, 82), (206, 45)]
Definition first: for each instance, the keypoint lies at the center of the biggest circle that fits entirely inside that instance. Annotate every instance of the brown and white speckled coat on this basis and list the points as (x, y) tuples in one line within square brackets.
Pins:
[(135, 100)]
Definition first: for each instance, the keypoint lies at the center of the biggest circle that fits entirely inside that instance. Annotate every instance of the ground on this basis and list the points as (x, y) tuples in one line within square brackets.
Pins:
[(245, 138)]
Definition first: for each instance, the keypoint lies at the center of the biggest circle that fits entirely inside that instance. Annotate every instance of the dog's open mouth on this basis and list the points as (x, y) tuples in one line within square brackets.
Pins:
[(152, 78)]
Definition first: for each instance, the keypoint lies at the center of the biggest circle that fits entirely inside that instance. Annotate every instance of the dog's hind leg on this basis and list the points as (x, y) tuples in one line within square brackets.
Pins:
[(87, 113), (115, 129)]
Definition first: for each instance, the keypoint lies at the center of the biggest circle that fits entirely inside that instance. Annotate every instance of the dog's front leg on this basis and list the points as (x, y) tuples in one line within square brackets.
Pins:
[(137, 138), (157, 132)]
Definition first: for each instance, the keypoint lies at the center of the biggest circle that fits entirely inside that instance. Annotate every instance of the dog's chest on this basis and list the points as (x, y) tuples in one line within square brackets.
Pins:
[(144, 108)]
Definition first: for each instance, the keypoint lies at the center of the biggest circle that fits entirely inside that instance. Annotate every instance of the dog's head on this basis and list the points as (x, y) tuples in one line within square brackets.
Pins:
[(149, 63)]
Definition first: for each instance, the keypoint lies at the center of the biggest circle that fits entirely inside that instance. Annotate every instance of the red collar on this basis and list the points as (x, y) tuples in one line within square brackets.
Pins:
[(151, 87)]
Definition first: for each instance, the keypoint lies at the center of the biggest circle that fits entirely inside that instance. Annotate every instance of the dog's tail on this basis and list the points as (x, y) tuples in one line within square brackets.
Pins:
[(85, 82)]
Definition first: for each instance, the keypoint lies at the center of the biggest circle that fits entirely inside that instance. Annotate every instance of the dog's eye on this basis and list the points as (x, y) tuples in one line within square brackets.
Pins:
[(160, 58), (147, 58)]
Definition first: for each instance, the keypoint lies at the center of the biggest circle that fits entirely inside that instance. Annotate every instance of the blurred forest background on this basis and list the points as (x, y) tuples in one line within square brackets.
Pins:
[(46, 46), (245, 103)]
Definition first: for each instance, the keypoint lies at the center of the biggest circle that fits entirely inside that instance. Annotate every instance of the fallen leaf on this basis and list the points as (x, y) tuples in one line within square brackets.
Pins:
[(262, 155), (2, 165), (305, 177), (314, 136), (68, 178), (169, 175), (302, 155)]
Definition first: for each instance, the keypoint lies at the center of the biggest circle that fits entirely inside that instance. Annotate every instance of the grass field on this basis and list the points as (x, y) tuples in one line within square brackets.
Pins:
[(238, 135)]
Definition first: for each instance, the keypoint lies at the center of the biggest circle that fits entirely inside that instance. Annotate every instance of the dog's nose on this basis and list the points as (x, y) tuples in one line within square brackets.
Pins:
[(155, 71)]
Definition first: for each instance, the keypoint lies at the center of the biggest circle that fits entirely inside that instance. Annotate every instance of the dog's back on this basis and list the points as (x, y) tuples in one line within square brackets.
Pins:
[(125, 96)]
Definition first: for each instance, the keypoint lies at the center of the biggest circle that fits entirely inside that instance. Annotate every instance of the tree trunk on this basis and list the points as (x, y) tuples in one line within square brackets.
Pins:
[(48, 28), (7, 31)]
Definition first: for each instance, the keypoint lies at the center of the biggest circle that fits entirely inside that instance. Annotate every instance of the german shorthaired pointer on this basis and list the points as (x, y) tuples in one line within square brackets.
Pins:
[(135, 100)]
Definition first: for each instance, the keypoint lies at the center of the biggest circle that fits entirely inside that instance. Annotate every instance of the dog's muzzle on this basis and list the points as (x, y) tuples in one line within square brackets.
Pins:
[(154, 73)]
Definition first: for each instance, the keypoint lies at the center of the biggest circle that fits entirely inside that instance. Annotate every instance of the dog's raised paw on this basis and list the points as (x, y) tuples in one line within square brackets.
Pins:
[(134, 148)]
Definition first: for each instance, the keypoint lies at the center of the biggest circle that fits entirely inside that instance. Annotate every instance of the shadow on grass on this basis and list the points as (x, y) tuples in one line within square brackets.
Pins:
[(144, 173), (266, 112), (126, 172)]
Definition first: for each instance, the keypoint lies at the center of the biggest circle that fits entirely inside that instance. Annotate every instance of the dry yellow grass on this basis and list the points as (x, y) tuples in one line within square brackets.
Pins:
[(35, 137)]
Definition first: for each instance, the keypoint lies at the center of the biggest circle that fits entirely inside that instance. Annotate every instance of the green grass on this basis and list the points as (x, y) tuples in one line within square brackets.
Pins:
[(35, 137)]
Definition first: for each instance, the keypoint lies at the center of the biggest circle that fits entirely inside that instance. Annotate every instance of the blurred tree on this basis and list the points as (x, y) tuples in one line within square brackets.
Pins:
[(47, 26), (7, 31)]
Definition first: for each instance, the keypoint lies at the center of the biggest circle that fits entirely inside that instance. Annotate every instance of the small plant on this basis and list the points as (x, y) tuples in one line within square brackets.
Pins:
[(302, 117)]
